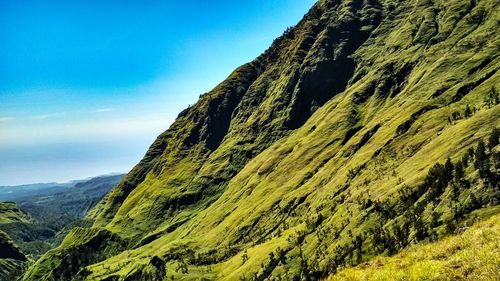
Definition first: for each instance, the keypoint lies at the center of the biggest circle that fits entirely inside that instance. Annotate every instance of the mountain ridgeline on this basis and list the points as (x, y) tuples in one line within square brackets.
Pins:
[(370, 126)]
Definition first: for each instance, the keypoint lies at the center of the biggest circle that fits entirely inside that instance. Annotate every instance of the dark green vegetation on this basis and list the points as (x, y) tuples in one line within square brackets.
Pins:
[(10, 193), (471, 255), (367, 128), (73, 201), (12, 260), (37, 223)]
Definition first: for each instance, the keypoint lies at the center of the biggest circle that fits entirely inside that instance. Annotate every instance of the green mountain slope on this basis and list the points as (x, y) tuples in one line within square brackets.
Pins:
[(12, 260), (8, 249), (9, 213), (471, 255), (366, 128), (40, 221)]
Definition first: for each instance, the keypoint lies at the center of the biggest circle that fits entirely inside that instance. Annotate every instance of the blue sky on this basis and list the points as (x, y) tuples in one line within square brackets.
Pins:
[(86, 86)]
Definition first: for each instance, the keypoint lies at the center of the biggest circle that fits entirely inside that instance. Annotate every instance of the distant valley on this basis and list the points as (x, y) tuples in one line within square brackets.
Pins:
[(34, 218)]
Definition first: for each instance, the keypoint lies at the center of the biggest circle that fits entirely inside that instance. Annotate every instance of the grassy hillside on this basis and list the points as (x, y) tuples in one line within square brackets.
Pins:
[(9, 213), (9, 250), (39, 222), (12, 260), (11, 269), (471, 255), (369, 127)]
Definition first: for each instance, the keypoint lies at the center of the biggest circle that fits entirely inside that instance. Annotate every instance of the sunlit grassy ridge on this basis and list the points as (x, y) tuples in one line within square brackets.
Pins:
[(472, 255), (363, 130), (10, 213)]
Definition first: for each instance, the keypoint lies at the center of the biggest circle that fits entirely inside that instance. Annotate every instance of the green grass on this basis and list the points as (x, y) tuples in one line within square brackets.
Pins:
[(12, 261), (11, 269), (471, 255), (10, 213), (293, 197)]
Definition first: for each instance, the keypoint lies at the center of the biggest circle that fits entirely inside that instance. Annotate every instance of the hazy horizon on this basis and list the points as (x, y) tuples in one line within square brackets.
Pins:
[(85, 87)]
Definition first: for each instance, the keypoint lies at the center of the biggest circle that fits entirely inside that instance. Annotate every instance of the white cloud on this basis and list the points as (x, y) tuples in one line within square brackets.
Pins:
[(149, 126), (102, 110), (47, 116), (6, 119)]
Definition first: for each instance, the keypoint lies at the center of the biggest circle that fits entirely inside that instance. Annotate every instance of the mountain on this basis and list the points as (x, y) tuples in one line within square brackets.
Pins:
[(12, 259), (9, 249), (9, 213), (370, 126), (16, 191), (471, 254), (41, 216), (38, 222), (74, 200), (19, 192)]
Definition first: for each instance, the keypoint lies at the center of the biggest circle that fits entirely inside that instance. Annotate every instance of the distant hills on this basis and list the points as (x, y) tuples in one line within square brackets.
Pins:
[(74, 199), (39, 215), (16, 192)]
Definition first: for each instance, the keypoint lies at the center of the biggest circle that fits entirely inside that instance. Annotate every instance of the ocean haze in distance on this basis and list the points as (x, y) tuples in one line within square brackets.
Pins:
[(86, 86)]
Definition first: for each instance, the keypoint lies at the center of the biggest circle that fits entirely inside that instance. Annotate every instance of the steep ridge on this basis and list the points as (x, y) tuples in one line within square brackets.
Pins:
[(327, 150), (12, 260), (258, 104), (8, 249), (10, 213), (39, 222)]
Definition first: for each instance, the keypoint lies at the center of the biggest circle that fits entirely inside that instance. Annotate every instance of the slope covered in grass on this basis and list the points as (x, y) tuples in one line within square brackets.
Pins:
[(12, 260), (9, 250), (9, 213), (471, 255), (367, 128), (39, 222)]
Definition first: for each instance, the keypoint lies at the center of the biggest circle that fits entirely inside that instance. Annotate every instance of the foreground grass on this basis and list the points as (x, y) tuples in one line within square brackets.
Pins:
[(471, 255)]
